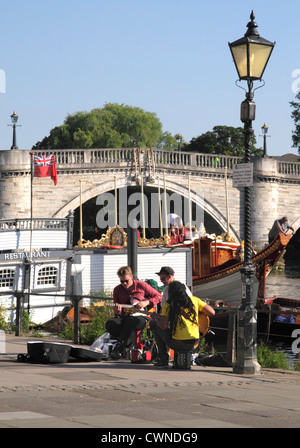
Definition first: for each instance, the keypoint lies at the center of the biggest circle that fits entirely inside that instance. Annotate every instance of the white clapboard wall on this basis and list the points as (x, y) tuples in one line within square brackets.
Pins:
[(20, 239), (100, 269)]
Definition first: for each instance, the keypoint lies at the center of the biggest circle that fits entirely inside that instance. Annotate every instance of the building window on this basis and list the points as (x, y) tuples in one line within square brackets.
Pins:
[(7, 277), (47, 276)]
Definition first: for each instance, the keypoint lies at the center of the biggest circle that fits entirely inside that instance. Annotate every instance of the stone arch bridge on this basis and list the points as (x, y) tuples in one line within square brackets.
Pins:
[(275, 191)]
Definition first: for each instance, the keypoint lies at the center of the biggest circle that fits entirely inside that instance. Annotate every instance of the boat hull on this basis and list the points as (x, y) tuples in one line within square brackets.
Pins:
[(227, 289), (225, 284)]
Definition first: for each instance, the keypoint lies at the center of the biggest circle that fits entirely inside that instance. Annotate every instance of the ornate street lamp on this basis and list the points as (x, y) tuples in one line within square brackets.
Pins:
[(250, 54), (264, 130), (14, 119)]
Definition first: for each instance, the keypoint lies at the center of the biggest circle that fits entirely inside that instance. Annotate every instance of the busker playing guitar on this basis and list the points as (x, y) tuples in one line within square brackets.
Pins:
[(177, 325), (123, 327)]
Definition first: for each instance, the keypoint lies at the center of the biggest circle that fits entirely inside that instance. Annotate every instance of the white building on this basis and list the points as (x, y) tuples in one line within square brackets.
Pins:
[(41, 267), (35, 262)]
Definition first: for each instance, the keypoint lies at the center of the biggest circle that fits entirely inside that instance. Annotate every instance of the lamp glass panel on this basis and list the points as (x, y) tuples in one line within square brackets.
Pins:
[(240, 58), (258, 57)]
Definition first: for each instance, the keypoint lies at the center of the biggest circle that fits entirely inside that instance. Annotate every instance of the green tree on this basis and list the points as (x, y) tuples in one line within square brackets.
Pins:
[(225, 140), (296, 117), (113, 126)]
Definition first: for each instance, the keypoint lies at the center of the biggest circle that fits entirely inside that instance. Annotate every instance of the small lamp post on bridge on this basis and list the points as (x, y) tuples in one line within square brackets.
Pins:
[(250, 54), (14, 119), (264, 130)]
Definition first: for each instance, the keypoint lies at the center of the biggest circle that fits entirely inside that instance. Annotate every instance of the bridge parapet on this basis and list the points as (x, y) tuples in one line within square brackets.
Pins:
[(19, 161), (124, 157), (130, 156), (289, 168)]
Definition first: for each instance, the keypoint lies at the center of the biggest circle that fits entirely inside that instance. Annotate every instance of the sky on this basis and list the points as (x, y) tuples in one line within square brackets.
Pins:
[(170, 57)]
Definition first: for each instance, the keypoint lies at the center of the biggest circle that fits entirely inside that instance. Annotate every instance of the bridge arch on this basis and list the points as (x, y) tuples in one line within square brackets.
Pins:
[(171, 186)]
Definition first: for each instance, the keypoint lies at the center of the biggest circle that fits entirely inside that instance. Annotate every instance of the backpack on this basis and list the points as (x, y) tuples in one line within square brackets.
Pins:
[(144, 352)]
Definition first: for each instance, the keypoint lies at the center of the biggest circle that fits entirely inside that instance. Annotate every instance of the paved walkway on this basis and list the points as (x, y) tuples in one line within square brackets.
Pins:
[(118, 394)]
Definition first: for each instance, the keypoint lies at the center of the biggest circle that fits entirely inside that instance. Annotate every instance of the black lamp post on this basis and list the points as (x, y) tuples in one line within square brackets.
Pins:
[(264, 130), (14, 119), (250, 54)]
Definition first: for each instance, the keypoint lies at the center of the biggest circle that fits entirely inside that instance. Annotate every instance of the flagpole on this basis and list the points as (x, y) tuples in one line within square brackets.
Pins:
[(31, 229), (31, 200)]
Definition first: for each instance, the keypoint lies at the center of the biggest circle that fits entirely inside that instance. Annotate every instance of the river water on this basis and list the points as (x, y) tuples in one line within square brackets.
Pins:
[(284, 283)]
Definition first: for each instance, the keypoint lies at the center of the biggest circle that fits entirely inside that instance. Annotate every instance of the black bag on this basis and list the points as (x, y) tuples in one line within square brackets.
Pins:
[(144, 352)]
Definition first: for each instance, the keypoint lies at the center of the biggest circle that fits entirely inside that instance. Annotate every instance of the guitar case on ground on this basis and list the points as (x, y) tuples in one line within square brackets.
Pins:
[(48, 352), (41, 352)]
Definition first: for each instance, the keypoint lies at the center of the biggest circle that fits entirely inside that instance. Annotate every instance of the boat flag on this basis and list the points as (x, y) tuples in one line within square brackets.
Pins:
[(44, 166)]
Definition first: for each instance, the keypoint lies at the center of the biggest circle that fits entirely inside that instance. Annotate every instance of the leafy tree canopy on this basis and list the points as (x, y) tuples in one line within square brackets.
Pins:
[(296, 117), (225, 140), (113, 126)]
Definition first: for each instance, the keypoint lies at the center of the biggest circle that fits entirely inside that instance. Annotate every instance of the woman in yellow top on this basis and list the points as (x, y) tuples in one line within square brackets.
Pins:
[(177, 325)]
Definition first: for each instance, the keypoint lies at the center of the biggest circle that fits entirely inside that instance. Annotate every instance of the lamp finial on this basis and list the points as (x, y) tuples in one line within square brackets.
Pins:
[(252, 26)]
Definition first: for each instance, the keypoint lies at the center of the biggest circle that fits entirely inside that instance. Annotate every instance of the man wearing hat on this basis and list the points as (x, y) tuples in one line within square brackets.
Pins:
[(166, 275)]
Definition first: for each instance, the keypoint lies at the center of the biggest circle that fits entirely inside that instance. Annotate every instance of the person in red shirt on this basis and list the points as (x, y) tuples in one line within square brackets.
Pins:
[(123, 327)]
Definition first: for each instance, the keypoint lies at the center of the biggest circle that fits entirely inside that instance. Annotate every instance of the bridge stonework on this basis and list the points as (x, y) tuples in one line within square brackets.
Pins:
[(275, 191)]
